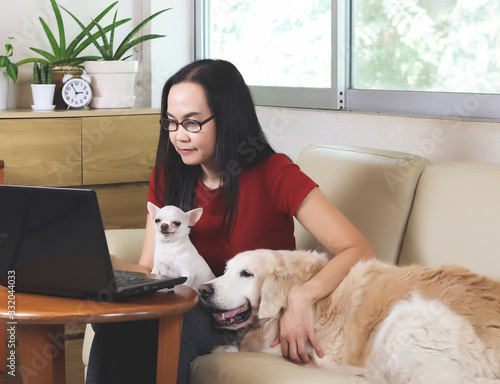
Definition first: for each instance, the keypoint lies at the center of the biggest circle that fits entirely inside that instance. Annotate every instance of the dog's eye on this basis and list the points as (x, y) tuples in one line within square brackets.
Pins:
[(157, 220), (177, 223), (246, 274)]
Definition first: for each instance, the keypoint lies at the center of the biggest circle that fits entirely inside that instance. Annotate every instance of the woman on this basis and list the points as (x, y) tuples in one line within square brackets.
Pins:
[(212, 153)]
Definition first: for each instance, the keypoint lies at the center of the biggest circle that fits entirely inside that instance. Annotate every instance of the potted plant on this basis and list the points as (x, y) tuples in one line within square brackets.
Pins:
[(113, 77), (66, 58), (10, 71), (42, 88)]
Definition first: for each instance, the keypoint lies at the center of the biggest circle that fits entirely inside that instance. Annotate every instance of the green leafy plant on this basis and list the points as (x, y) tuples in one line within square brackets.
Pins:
[(68, 55), (107, 48), (5, 62), (42, 74)]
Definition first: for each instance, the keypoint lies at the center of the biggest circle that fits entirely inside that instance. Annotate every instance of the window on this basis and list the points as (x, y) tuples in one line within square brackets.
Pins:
[(272, 47), (403, 56), (426, 45), (283, 48), (427, 57)]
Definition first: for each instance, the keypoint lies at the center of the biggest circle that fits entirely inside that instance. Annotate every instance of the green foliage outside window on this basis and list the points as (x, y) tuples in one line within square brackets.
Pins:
[(427, 45)]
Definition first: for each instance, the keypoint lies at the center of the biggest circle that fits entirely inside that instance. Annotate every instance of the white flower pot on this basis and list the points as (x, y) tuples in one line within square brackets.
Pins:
[(43, 97), (112, 83), (4, 90)]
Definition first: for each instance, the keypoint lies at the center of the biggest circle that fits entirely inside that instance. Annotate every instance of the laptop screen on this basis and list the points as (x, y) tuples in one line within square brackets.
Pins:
[(53, 239)]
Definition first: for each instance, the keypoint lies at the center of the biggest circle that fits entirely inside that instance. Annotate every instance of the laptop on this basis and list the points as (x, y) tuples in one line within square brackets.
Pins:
[(52, 240)]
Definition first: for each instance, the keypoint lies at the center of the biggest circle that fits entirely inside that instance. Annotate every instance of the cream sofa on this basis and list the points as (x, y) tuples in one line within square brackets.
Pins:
[(412, 210)]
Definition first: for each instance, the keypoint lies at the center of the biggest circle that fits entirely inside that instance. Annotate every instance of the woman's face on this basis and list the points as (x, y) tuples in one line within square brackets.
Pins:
[(187, 101)]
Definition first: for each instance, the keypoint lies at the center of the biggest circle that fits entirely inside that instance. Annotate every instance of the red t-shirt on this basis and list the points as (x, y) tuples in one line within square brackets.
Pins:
[(270, 193)]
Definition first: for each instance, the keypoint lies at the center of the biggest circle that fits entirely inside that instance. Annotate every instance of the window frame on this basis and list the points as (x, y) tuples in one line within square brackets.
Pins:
[(426, 104)]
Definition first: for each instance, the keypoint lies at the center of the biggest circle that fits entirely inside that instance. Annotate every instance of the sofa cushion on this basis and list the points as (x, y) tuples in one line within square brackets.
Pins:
[(252, 368), (373, 188), (456, 218)]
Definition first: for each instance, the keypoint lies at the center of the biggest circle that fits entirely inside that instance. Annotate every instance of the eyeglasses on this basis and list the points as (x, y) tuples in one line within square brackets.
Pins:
[(189, 125)]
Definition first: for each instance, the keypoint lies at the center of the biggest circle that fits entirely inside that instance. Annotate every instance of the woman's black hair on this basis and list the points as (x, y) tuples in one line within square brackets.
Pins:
[(240, 141)]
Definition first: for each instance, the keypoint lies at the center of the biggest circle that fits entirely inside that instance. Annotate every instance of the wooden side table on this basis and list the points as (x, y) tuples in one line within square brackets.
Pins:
[(39, 327)]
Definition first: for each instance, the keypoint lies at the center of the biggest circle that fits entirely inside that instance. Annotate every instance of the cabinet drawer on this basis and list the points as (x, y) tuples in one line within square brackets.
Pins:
[(118, 149), (122, 205), (41, 151)]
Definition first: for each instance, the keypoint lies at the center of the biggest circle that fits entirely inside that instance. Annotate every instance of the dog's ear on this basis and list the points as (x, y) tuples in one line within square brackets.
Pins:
[(193, 216), (291, 269), (274, 293), (152, 209)]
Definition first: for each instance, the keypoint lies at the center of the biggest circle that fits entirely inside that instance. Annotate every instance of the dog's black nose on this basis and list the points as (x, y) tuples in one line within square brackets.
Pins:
[(206, 290), (164, 228)]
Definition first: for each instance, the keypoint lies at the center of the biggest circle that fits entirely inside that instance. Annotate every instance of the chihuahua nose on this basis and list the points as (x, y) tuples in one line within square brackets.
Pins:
[(164, 228), (206, 290)]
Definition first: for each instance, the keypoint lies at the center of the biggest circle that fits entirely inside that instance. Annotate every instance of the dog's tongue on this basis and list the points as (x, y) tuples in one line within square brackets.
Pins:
[(222, 316), (232, 316)]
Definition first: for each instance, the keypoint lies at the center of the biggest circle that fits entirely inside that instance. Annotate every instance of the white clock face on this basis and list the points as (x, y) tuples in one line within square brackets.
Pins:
[(77, 93)]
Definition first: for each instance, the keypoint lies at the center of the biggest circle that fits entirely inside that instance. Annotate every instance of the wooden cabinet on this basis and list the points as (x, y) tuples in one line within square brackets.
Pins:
[(110, 151), (119, 149), (38, 152)]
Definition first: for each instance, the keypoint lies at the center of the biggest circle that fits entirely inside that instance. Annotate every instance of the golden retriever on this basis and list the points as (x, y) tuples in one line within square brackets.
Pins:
[(397, 324)]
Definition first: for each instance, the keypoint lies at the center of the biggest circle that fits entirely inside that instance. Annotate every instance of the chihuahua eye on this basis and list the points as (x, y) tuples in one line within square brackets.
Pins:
[(157, 220), (177, 223), (246, 274)]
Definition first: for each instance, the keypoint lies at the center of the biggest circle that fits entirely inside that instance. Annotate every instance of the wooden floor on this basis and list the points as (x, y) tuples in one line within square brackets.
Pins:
[(74, 365)]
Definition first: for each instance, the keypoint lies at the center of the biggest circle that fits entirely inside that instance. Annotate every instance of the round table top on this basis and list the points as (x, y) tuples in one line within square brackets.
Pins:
[(38, 309)]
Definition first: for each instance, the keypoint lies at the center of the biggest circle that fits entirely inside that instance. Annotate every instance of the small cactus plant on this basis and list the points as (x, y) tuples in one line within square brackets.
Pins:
[(42, 74)]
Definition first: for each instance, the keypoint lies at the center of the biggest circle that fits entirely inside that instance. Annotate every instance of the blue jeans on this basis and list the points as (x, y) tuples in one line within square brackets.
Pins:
[(126, 352)]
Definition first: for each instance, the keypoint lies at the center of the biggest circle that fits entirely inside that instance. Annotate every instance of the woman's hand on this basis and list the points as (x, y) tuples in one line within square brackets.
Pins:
[(296, 327), (332, 229), (116, 262), (120, 265)]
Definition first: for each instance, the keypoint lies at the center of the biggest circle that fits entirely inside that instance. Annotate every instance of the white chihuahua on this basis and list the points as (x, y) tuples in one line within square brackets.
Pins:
[(174, 253)]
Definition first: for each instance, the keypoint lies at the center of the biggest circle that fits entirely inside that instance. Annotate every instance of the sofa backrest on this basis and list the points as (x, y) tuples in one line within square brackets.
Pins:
[(373, 188), (455, 218)]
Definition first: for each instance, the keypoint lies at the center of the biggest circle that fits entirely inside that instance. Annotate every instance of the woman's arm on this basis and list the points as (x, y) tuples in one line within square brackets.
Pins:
[(147, 255), (337, 234)]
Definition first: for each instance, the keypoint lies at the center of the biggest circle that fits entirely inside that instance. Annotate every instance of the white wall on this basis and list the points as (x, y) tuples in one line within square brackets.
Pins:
[(437, 139), (289, 130), (176, 49)]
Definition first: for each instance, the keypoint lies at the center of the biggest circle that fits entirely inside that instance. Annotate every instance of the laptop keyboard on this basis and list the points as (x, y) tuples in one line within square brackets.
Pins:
[(124, 281)]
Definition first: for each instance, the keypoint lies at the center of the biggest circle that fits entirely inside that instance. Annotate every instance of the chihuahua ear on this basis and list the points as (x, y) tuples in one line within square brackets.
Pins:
[(193, 216), (152, 209)]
